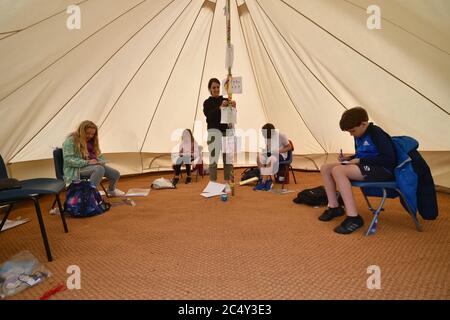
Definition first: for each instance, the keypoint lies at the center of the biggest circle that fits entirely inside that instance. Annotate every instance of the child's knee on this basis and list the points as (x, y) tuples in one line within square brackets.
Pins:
[(326, 168), (337, 171), (100, 170)]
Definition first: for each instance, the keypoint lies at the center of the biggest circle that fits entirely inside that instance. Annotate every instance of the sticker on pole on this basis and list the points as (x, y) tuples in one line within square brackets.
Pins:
[(236, 85)]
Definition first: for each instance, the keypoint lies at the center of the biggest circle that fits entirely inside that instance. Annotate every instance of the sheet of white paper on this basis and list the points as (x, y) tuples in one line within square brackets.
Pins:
[(228, 115), (13, 223), (211, 195), (214, 188), (137, 193)]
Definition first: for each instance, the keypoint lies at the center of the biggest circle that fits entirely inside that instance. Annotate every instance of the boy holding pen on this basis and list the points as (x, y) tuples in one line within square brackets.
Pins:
[(374, 160)]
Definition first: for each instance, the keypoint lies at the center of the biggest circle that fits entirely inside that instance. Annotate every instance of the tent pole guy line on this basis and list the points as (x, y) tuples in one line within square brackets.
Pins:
[(368, 59), (283, 84), (170, 76), (69, 51), (204, 65), (86, 83), (266, 113), (14, 32), (402, 28), (300, 59)]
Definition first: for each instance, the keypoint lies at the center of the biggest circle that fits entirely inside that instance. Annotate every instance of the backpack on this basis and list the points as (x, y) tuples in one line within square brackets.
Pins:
[(315, 197), (84, 200), (250, 173)]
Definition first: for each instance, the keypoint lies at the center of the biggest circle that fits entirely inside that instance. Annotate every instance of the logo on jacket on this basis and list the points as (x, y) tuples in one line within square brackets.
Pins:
[(366, 143)]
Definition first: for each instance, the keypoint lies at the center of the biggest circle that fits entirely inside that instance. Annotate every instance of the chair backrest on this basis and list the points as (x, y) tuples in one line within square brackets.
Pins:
[(289, 154), (58, 160), (3, 172)]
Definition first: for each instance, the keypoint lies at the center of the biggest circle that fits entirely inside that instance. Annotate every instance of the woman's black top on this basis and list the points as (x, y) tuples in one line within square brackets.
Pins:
[(211, 109)]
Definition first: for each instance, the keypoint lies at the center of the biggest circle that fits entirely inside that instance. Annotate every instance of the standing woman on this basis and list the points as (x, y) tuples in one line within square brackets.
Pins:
[(212, 110), (83, 159)]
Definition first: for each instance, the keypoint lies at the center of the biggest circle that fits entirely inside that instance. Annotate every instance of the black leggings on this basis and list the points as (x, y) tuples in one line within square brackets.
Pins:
[(177, 169)]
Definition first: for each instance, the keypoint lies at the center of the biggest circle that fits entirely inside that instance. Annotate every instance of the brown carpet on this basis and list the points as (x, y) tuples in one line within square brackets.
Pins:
[(177, 245)]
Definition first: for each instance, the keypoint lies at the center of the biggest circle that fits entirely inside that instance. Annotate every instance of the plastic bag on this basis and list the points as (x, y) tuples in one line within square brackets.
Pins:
[(162, 183), (21, 272)]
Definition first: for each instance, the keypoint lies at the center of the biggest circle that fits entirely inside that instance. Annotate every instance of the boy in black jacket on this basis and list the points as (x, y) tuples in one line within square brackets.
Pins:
[(374, 160)]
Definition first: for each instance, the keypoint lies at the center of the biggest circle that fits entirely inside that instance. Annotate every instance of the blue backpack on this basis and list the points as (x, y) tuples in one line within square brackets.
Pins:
[(84, 200)]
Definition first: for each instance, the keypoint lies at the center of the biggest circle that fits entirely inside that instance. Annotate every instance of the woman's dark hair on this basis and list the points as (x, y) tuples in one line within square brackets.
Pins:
[(213, 80), (353, 118), (267, 130)]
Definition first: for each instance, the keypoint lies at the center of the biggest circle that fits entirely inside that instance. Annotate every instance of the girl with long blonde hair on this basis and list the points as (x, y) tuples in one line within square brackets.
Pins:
[(84, 160)]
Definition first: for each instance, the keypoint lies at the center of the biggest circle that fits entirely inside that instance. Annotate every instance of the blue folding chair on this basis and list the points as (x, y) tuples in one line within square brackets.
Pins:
[(32, 189), (385, 187)]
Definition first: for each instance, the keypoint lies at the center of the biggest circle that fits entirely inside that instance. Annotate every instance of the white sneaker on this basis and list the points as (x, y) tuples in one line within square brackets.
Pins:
[(54, 211), (227, 188), (116, 193)]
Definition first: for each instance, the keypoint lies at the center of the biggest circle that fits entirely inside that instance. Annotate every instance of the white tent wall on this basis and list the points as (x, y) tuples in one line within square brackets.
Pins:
[(278, 104), (60, 89), (19, 15), (38, 47), (140, 68)]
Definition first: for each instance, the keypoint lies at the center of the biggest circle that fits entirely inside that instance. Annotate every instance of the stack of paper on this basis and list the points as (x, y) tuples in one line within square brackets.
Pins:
[(137, 193), (213, 189)]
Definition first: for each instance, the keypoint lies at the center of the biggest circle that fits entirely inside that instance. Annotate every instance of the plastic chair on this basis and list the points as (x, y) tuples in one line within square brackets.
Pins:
[(32, 189), (385, 187)]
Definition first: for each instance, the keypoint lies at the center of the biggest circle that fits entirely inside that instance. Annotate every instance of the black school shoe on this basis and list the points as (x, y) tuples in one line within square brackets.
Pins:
[(188, 180), (332, 213), (175, 181), (349, 225)]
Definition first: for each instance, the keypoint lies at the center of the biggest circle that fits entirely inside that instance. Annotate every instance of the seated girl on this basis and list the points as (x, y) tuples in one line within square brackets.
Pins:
[(188, 154), (83, 159)]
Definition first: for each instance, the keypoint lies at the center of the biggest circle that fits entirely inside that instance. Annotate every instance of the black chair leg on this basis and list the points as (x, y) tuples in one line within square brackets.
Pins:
[(286, 173), (104, 189), (293, 174), (6, 216), (42, 226), (54, 204), (61, 213)]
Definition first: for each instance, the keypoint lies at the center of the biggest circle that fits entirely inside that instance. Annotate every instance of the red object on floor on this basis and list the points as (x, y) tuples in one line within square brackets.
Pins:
[(57, 289)]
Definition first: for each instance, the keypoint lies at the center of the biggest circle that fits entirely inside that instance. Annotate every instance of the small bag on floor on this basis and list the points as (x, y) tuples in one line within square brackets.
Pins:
[(162, 183), (315, 197)]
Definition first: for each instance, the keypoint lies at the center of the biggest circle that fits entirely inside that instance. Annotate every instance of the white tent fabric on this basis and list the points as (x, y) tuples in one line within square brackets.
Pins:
[(139, 69)]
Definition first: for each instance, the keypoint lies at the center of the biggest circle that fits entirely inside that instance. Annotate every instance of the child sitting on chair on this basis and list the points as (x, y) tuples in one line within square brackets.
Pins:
[(188, 154), (83, 159), (374, 160), (277, 147)]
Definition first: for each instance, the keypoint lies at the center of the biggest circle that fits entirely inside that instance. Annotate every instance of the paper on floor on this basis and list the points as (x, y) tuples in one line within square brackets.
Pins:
[(213, 189), (137, 192), (13, 223)]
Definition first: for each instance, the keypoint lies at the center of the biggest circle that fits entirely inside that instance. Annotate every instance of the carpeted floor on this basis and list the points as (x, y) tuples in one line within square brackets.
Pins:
[(175, 244)]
